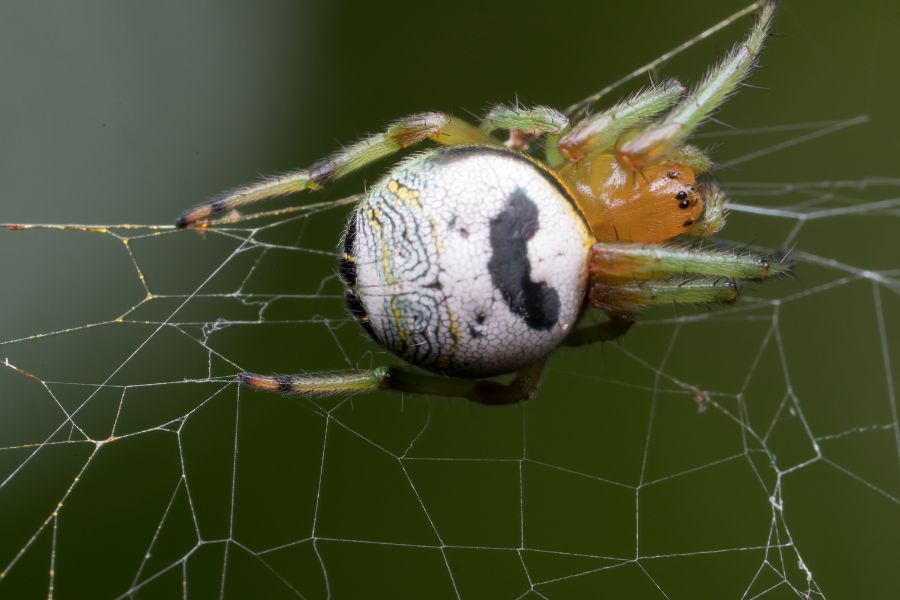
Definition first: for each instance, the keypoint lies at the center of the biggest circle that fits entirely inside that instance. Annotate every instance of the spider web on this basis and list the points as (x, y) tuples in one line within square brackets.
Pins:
[(749, 451)]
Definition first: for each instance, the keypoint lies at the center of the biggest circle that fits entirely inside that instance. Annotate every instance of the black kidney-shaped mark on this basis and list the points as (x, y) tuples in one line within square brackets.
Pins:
[(510, 269)]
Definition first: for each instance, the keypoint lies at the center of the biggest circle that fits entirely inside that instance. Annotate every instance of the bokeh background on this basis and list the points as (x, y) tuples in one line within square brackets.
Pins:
[(610, 483)]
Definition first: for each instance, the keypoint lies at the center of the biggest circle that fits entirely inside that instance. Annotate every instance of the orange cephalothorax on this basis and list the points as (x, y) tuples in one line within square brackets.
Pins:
[(654, 205)]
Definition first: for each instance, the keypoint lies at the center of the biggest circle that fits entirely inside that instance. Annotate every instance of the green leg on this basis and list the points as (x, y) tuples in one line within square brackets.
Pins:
[(658, 141), (524, 124), (599, 133), (714, 210), (580, 109), (630, 297), (401, 379), (614, 261), (403, 133), (693, 157), (529, 122)]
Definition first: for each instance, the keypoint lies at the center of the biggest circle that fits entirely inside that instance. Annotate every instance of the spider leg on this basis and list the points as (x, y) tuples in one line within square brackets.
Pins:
[(403, 133), (715, 211), (580, 108), (524, 124), (536, 120), (598, 133), (693, 157), (401, 379), (627, 277), (659, 140), (631, 296), (613, 328), (623, 261)]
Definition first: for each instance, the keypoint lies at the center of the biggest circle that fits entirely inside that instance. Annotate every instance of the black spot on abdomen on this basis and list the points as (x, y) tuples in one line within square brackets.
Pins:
[(510, 269)]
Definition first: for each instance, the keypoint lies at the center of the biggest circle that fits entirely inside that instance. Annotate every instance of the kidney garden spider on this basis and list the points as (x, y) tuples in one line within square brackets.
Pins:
[(474, 259)]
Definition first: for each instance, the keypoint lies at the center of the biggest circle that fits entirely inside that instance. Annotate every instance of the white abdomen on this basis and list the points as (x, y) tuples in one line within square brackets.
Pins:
[(467, 261)]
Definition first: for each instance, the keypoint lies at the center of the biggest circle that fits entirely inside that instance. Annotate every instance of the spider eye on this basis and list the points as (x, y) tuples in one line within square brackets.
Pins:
[(683, 197), (672, 174)]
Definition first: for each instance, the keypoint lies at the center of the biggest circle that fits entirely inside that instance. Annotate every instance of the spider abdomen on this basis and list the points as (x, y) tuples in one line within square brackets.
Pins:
[(467, 261)]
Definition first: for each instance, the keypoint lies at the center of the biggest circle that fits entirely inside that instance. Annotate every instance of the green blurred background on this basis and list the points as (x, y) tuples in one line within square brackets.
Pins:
[(127, 112)]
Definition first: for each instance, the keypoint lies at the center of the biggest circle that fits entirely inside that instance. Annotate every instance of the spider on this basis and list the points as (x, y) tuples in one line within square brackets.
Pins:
[(475, 260)]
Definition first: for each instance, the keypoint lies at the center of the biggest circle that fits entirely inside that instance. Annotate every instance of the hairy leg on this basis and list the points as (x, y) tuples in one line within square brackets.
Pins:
[(715, 211), (580, 109), (625, 261), (524, 124), (402, 133), (535, 119), (632, 296), (658, 141), (599, 133), (401, 379)]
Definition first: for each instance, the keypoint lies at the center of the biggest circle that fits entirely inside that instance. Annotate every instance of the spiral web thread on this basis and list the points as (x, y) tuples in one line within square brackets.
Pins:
[(43, 447)]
